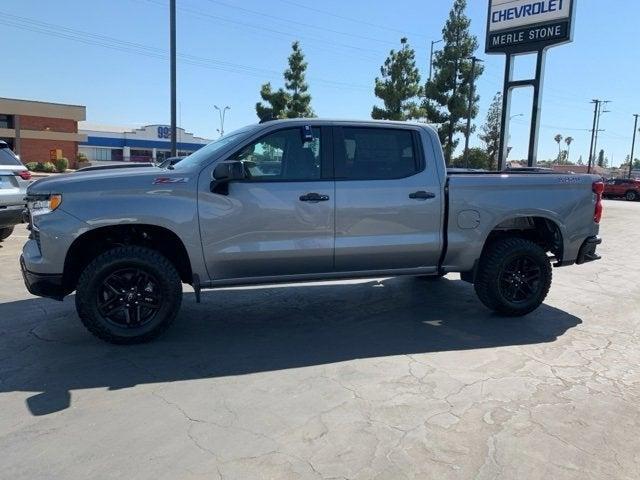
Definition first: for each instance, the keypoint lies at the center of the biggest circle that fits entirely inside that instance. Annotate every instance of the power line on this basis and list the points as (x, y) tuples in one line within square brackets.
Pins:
[(104, 41), (354, 20), (306, 25), (287, 34)]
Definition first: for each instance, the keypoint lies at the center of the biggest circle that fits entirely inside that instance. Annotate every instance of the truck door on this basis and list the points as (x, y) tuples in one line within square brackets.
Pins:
[(280, 220), (388, 200)]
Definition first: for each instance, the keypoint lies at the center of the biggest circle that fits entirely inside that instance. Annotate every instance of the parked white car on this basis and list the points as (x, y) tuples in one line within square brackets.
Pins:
[(14, 179)]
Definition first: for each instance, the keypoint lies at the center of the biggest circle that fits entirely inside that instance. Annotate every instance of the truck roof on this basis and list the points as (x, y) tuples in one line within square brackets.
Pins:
[(312, 121)]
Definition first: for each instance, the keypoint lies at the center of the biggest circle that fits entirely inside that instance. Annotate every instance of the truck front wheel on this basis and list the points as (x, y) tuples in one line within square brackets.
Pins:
[(128, 295), (513, 277)]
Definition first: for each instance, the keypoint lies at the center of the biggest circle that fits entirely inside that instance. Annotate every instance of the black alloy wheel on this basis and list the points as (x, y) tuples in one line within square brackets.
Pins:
[(520, 280), (129, 298)]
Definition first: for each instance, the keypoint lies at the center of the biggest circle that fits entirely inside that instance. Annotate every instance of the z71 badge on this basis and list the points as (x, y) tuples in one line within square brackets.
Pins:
[(165, 180)]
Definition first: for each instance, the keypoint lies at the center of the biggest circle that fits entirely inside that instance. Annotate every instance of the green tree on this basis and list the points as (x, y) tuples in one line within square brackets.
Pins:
[(292, 102), (446, 96), (398, 86), (558, 139), (276, 103), (490, 134), (478, 158), (602, 161), (568, 141), (300, 101)]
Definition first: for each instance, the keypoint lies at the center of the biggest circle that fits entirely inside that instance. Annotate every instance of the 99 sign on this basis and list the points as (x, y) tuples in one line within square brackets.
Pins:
[(164, 132)]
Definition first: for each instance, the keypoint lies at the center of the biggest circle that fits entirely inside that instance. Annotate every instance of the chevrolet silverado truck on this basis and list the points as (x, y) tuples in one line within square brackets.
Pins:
[(300, 200)]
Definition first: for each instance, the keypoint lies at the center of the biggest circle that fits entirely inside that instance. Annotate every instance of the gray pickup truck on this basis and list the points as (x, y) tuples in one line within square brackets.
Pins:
[(299, 200)]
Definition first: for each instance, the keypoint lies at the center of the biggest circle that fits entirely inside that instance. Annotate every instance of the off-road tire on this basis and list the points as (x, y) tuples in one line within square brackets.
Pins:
[(5, 233), (499, 255), (145, 259)]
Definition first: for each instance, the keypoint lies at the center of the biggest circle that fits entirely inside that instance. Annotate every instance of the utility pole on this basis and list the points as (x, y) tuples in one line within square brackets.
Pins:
[(633, 143), (596, 107), (600, 112), (172, 41), (222, 113), (433, 42), (469, 108)]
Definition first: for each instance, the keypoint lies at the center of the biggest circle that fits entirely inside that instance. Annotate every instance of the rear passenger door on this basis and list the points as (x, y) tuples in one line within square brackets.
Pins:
[(388, 200)]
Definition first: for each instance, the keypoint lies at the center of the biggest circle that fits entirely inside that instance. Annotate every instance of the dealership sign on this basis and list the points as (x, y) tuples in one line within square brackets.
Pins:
[(520, 26)]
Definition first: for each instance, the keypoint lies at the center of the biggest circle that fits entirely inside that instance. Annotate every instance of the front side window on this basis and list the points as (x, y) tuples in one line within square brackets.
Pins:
[(283, 155), (377, 154)]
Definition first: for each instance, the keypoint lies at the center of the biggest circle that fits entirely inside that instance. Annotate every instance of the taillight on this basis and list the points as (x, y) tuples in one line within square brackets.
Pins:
[(25, 174), (598, 189)]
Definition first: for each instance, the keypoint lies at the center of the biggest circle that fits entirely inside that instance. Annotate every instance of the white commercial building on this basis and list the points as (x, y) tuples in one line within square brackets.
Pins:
[(145, 144)]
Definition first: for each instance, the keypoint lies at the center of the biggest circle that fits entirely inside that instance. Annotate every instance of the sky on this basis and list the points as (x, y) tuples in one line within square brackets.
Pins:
[(112, 56)]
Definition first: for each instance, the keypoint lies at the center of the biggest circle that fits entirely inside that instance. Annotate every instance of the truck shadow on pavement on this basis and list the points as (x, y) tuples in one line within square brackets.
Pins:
[(45, 349)]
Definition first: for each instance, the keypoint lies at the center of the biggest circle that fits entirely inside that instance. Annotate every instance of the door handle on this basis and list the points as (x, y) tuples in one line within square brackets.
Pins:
[(421, 195), (314, 197)]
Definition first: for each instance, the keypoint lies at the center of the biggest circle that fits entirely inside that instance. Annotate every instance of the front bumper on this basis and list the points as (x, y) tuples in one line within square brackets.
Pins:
[(42, 285), (11, 215), (587, 252)]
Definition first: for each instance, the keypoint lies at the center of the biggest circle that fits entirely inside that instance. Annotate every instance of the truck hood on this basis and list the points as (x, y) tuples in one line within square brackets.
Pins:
[(103, 180)]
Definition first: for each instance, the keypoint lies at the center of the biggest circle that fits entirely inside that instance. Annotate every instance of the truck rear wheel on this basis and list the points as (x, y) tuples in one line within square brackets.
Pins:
[(513, 277), (128, 295)]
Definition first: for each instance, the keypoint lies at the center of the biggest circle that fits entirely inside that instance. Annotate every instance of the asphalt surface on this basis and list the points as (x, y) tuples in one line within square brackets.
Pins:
[(390, 379)]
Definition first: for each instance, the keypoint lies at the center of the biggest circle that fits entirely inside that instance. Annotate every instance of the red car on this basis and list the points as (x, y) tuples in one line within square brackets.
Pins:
[(629, 188)]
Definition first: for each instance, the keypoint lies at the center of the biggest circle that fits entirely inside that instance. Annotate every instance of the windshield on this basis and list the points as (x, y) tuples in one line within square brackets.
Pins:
[(204, 154)]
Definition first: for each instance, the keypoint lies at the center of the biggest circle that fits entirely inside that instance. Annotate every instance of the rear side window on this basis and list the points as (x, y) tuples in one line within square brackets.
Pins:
[(8, 158), (376, 154)]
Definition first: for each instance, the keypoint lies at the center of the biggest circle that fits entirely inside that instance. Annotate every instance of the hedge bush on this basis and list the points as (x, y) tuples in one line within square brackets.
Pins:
[(48, 167), (61, 164), (33, 166)]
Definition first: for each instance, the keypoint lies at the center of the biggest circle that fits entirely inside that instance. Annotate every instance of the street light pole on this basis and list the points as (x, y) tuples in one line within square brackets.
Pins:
[(633, 143), (172, 41), (222, 112), (469, 109), (511, 117)]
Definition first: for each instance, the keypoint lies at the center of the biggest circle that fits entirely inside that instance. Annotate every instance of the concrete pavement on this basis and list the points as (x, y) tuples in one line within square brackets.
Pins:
[(390, 379)]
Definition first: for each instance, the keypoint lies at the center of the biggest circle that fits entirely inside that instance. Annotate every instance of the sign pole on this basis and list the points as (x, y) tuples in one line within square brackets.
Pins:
[(517, 27), (506, 107), (535, 109)]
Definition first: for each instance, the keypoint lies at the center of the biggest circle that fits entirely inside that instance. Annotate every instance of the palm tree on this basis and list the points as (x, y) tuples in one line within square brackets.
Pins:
[(558, 139), (568, 141)]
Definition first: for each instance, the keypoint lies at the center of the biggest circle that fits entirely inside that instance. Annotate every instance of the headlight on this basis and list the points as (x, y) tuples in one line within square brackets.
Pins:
[(41, 204)]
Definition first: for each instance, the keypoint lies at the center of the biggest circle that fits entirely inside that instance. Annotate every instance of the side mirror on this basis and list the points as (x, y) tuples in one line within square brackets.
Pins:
[(224, 173)]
